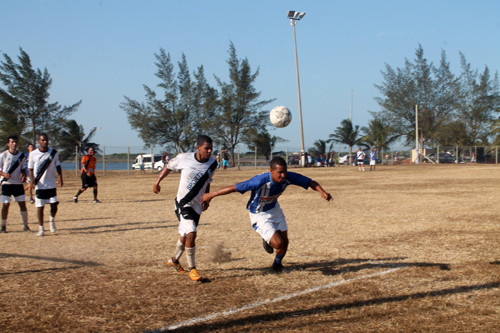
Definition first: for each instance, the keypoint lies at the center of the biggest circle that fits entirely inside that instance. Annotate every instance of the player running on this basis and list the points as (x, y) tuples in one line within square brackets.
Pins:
[(266, 215), (197, 170)]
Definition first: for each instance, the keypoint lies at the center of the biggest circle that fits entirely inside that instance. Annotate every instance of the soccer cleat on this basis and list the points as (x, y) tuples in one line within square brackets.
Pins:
[(277, 268), (53, 227), (96, 201), (176, 265), (3, 230), (40, 233), (26, 228), (269, 249), (194, 275), (75, 199)]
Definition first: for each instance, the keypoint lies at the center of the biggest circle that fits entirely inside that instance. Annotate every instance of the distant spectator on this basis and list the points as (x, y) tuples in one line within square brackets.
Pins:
[(373, 161)]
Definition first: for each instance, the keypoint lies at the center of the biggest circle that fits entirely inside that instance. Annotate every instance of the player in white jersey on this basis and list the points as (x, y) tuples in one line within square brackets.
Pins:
[(12, 177), (360, 156), (42, 165), (197, 170), (266, 215)]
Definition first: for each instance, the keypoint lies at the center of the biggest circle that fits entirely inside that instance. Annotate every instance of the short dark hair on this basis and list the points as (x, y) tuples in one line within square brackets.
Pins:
[(202, 139), (13, 137), (278, 160), (43, 134)]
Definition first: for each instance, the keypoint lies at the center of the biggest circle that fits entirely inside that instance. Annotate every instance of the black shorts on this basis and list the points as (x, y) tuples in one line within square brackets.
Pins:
[(46, 194), (88, 181), (12, 189), (188, 213)]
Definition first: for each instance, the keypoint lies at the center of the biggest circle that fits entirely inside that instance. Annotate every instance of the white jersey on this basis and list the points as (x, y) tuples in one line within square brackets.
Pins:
[(7, 159), (35, 162), (191, 172)]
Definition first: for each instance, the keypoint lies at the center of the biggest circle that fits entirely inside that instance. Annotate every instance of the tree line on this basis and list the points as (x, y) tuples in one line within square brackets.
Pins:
[(453, 109)]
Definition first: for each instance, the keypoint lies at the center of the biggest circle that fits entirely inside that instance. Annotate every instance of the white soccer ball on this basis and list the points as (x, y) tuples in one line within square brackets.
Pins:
[(280, 116)]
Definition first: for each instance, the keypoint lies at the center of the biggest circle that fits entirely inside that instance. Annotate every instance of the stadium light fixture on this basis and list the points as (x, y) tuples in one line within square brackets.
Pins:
[(297, 16)]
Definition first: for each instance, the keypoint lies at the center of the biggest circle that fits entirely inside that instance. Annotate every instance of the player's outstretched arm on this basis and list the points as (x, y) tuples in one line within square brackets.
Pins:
[(317, 187), (223, 191), (163, 174)]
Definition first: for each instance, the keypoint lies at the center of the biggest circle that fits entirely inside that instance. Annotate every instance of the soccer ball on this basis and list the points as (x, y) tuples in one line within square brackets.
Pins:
[(280, 116)]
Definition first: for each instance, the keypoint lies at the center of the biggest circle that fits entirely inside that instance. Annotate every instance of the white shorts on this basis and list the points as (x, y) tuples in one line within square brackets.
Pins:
[(372, 162), (43, 202), (267, 223), (188, 221), (7, 199)]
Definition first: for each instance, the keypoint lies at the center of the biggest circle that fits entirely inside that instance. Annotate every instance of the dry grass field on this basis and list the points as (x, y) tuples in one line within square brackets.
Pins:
[(402, 249)]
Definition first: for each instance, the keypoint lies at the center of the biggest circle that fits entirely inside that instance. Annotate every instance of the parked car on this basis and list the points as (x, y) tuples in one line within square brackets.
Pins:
[(158, 163), (443, 158)]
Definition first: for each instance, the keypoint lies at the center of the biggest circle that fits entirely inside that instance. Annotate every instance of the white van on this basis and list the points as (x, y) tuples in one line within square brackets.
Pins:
[(158, 163)]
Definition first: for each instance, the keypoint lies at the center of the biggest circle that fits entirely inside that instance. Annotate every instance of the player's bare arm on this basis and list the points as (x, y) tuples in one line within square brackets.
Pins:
[(317, 187), (163, 174), (59, 171), (206, 204), (223, 191)]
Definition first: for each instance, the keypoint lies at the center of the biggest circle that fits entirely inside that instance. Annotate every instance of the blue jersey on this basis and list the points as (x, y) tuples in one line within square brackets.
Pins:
[(372, 155), (265, 192)]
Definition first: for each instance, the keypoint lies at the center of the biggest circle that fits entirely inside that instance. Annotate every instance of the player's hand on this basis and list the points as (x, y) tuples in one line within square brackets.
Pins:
[(205, 199), (327, 196), (204, 205), (156, 188)]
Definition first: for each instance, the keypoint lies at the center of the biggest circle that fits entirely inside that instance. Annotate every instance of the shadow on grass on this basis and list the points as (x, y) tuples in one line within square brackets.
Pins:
[(75, 263), (120, 227), (231, 325), (342, 266)]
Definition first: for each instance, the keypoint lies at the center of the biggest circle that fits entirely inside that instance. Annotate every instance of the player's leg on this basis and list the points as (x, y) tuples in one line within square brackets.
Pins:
[(5, 213), (53, 212), (280, 242), (83, 176), (39, 214), (24, 214), (94, 185)]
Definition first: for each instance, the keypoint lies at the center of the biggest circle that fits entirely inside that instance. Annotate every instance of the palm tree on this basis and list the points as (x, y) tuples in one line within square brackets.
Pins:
[(378, 134), (71, 136), (347, 134)]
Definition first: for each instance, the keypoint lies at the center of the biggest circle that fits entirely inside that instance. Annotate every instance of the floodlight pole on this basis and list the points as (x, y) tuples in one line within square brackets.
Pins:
[(294, 18)]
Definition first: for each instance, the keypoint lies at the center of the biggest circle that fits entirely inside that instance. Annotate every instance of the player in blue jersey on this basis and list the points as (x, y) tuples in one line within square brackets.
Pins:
[(266, 215)]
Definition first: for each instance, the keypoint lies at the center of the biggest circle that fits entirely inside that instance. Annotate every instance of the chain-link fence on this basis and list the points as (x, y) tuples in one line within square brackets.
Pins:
[(155, 158)]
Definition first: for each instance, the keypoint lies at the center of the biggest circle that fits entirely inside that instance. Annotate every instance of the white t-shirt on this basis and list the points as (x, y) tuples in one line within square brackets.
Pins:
[(35, 161), (6, 160), (191, 171)]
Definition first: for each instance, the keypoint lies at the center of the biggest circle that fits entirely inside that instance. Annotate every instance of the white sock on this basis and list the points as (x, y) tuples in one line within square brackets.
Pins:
[(24, 216), (190, 257), (4, 223), (52, 219), (179, 250), (42, 229)]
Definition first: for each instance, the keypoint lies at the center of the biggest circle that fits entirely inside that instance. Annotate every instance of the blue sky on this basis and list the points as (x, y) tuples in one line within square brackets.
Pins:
[(100, 51)]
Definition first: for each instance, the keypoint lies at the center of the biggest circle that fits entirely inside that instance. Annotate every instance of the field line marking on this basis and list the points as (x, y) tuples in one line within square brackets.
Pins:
[(269, 301)]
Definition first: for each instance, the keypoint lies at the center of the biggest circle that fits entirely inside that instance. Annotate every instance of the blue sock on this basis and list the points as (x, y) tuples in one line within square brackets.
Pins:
[(277, 260)]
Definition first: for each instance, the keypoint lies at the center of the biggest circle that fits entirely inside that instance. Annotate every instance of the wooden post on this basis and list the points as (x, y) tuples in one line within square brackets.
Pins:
[(76, 160), (437, 155), (239, 158), (255, 157), (128, 160), (152, 160), (456, 155), (104, 160)]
